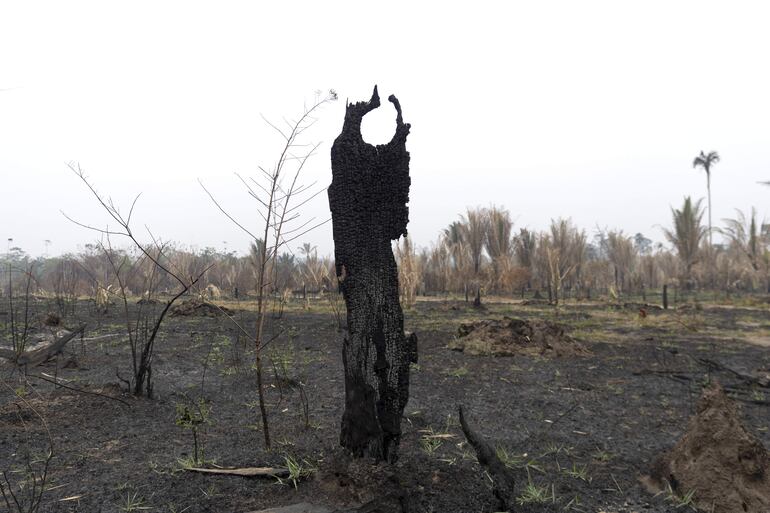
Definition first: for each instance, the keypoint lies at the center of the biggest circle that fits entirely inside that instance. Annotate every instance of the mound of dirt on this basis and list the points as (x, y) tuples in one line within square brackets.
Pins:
[(509, 337), (725, 467), (199, 307)]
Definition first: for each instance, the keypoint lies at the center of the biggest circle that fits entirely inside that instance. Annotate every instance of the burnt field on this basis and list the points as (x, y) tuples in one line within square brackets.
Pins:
[(579, 428)]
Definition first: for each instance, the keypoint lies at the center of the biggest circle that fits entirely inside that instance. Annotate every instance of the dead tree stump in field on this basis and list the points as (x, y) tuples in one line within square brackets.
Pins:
[(368, 197)]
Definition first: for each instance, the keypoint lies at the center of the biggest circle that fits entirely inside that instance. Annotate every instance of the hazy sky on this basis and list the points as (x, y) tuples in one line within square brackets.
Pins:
[(589, 110)]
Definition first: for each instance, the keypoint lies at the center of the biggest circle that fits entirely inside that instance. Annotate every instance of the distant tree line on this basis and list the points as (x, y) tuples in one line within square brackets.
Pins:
[(481, 250)]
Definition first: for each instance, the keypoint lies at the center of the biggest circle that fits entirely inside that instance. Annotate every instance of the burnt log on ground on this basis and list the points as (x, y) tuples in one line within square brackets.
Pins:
[(43, 354), (368, 197), (502, 478)]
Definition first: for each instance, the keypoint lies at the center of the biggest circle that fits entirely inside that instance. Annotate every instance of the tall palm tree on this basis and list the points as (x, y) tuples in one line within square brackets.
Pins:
[(498, 241), (524, 247), (687, 233), (706, 160), (453, 239), (621, 253), (453, 234), (474, 231)]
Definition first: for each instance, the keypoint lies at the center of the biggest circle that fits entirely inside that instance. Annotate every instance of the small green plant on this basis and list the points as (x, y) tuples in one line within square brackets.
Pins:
[(459, 372), (515, 461), (430, 445), (554, 448), (578, 472), (431, 439), (573, 504), (534, 494), (283, 361), (157, 468), (602, 456), (210, 492), (133, 502), (508, 459), (192, 416), (297, 470), (679, 501)]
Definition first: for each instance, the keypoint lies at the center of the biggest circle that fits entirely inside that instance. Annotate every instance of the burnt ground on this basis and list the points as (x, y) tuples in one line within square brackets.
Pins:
[(578, 431)]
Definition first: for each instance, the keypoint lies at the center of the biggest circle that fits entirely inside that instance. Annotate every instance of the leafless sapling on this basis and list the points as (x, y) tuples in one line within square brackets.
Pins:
[(279, 195), (155, 253)]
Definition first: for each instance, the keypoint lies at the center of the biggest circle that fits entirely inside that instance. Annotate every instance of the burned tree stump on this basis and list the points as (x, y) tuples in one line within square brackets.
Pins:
[(368, 197)]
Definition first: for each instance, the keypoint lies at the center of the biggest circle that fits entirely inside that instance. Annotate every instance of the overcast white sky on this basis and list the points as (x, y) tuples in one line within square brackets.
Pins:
[(589, 110)]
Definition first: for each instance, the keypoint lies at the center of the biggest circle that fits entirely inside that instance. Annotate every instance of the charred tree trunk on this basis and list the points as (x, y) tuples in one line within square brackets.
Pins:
[(665, 297), (368, 197), (502, 478)]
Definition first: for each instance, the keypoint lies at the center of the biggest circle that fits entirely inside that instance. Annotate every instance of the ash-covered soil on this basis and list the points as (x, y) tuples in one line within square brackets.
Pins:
[(579, 431)]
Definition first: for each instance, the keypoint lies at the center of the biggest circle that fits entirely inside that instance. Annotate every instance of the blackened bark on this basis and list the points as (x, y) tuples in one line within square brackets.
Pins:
[(502, 478), (368, 197)]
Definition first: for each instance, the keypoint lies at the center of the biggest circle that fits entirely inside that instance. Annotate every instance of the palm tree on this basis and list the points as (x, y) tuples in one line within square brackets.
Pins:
[(688, 233), (745, 234), (524, 247), (621, 253), (474, 231), (705, 161), (498, 241)]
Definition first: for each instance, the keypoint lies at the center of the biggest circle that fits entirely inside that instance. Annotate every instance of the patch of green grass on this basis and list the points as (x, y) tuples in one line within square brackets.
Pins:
[(459, 372), (298, 470), (431, 439), (133, 502), (211, 492), (553, 448), (679, 501), (191, 461), (573, 504), (578, 472), (602, 456), (515, 461), (534, 494), (430, 445)]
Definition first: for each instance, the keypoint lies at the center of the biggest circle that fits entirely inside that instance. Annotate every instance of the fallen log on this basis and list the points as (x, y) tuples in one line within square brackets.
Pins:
[(43, 354), (502, 478), (244, 472)]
